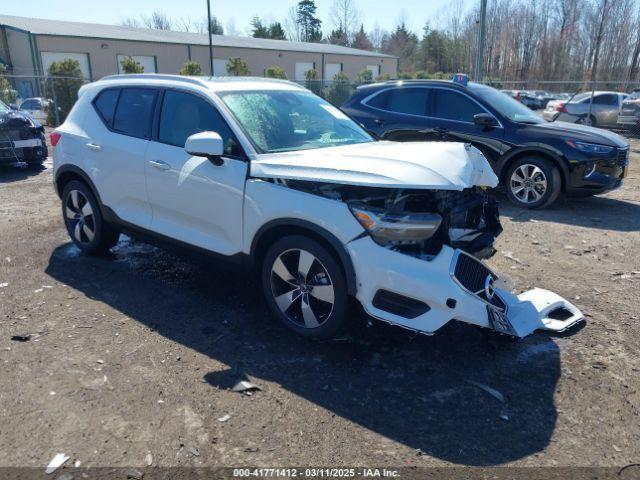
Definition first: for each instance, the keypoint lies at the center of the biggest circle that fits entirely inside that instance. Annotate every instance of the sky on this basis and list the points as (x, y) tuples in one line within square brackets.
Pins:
[(234, 15)]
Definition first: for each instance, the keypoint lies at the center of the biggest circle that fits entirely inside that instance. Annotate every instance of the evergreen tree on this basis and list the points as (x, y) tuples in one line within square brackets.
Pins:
[(308, 23), (361, 40)]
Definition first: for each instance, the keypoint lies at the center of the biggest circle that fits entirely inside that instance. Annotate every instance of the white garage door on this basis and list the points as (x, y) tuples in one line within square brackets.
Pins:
[(375, 70), (331, 70), (301, 69), (147, 62), (220, 67), (83, 59)]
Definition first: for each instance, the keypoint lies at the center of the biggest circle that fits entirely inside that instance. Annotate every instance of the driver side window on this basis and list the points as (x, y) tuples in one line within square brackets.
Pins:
[(184, 114)]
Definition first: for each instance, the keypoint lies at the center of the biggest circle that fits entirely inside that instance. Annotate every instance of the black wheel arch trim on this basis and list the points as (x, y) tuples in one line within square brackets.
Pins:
[(83, 175), (557, 157), (336, 244)]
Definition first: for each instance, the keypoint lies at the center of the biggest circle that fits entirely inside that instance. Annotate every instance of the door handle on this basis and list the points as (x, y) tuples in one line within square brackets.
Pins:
[(377, 121), (94, 146), (159, 164), (440, 130)]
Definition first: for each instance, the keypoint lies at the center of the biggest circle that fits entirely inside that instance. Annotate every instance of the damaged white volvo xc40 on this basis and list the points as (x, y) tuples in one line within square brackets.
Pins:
[(265, 171)]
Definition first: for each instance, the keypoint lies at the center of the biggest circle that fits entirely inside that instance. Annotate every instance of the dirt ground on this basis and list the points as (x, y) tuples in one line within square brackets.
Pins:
[(132, 356)]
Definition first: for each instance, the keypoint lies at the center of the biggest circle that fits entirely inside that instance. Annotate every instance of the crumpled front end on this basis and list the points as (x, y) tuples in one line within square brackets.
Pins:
[(21, 139), (425, 293)]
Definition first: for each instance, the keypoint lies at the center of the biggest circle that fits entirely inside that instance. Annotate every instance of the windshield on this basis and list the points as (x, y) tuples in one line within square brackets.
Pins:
[(4, 108), (507, 106), (30, 105), (282, 121)]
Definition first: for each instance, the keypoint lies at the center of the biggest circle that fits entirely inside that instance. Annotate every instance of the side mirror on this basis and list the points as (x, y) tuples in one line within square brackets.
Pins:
[(205, 144), (485, 120)]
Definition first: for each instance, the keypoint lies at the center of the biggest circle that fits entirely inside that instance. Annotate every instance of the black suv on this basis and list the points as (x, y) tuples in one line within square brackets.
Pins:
[(534, 159)]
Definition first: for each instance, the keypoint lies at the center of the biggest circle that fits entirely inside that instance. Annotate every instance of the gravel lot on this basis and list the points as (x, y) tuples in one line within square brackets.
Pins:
[(132, 356)]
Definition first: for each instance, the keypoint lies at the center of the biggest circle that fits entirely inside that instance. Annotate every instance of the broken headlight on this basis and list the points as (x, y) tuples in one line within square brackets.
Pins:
[(389, 229)]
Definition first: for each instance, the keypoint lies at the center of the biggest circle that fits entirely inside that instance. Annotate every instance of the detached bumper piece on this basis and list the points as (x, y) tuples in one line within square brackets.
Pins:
[(520, 315)]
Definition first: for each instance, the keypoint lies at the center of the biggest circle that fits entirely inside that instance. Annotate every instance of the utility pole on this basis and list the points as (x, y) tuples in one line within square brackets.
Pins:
[(481, 28), (210, 38)]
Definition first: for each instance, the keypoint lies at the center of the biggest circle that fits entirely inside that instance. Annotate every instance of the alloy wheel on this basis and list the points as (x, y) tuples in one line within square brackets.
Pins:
[(80, 218), (302, 288), (528, 183)]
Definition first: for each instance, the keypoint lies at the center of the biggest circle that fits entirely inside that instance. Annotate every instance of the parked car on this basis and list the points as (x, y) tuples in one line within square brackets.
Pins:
[(543, 97), (36, 107), (21, 138), (629, 116), (534, 159), (603, 113), (525, 97), (263, 172)]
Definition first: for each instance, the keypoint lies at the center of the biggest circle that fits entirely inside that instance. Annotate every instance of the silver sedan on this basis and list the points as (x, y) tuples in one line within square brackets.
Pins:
[(604, 109)]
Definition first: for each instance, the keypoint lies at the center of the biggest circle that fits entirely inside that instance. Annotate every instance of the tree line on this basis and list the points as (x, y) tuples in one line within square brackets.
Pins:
[(552, 40)]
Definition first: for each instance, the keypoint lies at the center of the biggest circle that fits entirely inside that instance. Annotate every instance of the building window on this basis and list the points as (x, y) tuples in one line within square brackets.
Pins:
[(331, 70), (375, 70), (82, 58), (147, 62), (301, 69)]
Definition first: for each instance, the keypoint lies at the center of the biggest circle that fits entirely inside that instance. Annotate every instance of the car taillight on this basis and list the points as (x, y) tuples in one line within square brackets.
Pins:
[(518, 96), (55, 138), (561, 108)]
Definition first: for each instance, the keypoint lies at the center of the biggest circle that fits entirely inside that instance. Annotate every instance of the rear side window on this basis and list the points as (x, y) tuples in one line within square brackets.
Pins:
[(134, 112), (105, 104), (450, 105), (184, 114), (411, 101), (607, 99)]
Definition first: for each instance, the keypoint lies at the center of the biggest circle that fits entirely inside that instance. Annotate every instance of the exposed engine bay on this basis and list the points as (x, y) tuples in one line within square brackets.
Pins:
[(21, 138), (418, 222)]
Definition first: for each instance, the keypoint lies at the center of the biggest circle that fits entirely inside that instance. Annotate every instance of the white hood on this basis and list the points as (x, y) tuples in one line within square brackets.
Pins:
[(428, 165)]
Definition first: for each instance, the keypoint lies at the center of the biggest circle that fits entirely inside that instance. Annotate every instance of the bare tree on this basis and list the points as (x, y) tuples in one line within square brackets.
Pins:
[(157, 21), (345, 18)]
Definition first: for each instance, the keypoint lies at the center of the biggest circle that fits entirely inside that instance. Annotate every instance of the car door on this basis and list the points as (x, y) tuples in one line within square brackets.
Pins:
[(399, 114), (605, 108), (194, 200), (454, 113), (117, 133)]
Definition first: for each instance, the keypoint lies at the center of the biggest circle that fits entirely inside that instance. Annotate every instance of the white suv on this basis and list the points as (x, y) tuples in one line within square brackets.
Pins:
[(265, 173)]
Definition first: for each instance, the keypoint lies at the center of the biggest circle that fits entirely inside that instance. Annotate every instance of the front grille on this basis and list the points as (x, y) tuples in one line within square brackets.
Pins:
[(472, 275), (623, 157)]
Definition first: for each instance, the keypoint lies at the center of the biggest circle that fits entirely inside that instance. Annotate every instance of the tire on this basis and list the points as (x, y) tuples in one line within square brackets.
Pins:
[(591, 123), (84, 222), (533, 182), (292, 270)]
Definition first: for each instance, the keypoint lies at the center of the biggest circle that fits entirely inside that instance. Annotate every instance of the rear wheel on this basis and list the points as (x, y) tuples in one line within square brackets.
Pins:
[(304, 286), (533, 182), (589, 120), (83, 219)]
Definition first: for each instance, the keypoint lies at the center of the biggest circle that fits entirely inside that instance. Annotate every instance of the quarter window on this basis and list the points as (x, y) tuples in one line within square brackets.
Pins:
[(184, 114), (450, 105), (105, 104), (134, 112)]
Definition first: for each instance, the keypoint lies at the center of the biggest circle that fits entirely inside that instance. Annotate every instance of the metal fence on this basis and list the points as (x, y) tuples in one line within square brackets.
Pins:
[(610, 105)]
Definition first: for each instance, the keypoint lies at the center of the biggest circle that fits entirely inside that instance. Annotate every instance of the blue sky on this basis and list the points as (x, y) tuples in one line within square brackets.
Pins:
[(238, 12)]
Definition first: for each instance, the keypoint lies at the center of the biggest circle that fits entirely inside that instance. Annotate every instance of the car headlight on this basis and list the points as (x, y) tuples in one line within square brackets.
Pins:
[(590, 147), (397, 229)]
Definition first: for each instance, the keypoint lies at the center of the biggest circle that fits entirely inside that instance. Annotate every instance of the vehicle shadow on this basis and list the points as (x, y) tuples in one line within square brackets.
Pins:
[(412, 390), (592, 212), (14, 172)]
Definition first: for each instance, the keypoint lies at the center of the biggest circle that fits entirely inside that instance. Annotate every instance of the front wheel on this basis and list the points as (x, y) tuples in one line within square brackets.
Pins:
[(533, 182), (304, 287)]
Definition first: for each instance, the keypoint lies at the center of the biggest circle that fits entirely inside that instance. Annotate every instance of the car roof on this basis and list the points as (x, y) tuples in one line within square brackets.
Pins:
[(215, 84), (416, 82)]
